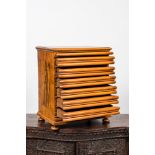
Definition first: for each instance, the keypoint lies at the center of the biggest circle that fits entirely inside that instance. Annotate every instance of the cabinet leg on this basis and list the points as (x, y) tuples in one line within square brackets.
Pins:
[(106, 120), (40, 119), (54, 128)]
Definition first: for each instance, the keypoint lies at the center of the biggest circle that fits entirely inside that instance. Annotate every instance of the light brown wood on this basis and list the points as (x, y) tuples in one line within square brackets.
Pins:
[(87, 63), (85, 74), (46, 71), (90, 69), (87, 79), (85, 114), (88, 94), (85, 105), (76, 84), (89, 116), (78, 90), (92, 99), (83, 53), (85, 58), (89, 111), (94, 83)]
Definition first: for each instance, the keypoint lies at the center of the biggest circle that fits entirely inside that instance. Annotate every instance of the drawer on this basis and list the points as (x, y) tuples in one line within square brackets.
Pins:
[(52, 147), (81, 59), (112, 145), (84, 72), (86, 102), (80, 82), (84, 61), (85, 92), (87, 63), (68, 116), (83, 53)]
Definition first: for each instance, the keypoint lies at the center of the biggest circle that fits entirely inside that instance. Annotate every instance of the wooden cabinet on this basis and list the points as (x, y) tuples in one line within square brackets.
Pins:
[(78, 138), (76, 84)]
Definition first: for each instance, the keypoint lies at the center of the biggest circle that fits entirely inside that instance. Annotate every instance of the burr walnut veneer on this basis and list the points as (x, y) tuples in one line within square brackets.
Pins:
[(76, 84)]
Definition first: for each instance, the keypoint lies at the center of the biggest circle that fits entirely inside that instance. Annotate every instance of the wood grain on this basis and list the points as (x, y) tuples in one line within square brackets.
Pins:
[(85, 104), (76, 84), (85, 114), (65, 54), (85, 74)]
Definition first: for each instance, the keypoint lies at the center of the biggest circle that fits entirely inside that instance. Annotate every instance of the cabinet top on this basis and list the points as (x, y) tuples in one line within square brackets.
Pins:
[(73, 48), (79, 131)]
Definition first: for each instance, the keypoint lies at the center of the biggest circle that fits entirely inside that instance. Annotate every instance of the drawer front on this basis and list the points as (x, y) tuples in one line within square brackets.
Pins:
[(86, 103), (83, 53), (84, 61), (80, 82), (84, 72), (48, 147), (85, 85), (87, 113), (104, 147)]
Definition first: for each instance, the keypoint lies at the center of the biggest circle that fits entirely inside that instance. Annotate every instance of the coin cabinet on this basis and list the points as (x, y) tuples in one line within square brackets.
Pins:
[(76, 84)]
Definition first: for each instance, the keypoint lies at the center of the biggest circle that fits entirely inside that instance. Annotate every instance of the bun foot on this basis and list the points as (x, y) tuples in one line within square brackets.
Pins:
[(40, 119), (54, 128), (106, 120)]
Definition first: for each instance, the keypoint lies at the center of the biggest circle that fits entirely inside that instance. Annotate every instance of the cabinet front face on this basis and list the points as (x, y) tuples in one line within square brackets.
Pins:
[(84, 84), (103, 147)]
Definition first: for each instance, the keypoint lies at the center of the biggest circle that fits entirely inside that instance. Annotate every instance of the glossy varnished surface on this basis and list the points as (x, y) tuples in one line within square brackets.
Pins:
[(63, 71)]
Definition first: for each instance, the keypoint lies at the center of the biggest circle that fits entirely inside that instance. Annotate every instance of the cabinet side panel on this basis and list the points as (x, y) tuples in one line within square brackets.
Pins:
[(46, 77)]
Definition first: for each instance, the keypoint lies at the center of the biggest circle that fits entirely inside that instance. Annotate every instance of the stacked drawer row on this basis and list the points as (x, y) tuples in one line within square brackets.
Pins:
[(85, 85)]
